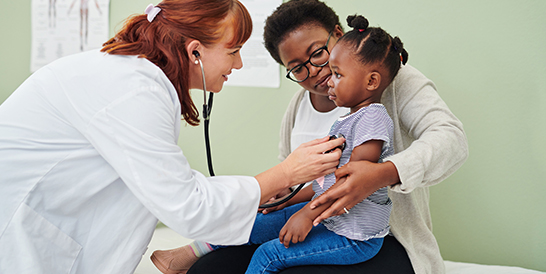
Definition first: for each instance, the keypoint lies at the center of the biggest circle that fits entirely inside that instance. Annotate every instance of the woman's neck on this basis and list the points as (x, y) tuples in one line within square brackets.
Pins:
[(321, 103)]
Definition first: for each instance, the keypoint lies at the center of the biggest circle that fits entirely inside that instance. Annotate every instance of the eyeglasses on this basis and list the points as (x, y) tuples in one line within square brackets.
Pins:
[(319, 58)]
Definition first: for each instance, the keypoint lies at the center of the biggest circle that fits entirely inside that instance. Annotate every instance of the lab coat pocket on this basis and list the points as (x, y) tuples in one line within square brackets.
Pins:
[(31, 244)]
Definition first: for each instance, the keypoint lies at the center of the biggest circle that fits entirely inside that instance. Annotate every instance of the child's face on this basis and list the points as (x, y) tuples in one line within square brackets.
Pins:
[(349, 84)]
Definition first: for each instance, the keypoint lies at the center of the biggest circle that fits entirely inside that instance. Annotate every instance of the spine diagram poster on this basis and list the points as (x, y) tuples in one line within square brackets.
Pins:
[(64, 27)]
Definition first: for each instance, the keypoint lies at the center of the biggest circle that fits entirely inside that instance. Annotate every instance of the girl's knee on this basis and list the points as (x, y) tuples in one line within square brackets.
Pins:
[(267, 258)]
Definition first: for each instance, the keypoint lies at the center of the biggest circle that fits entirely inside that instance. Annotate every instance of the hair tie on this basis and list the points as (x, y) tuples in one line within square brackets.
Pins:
[(400, 54), (152, 12), (361, 30)]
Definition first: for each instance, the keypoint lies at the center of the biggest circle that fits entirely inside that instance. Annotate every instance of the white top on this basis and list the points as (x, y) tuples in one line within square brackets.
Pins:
[(311, 124), (89, 163)]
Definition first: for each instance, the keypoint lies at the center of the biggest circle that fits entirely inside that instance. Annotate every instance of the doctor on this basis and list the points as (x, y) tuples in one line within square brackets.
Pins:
[(88, 153)]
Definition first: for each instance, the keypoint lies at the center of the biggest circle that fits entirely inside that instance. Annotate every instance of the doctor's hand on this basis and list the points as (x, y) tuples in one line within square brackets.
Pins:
[(362, 179), (309, 161), (304, 164)]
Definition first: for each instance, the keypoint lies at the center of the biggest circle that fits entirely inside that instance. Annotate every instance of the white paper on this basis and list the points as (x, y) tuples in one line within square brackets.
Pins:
[(64, 27), (259, 69)]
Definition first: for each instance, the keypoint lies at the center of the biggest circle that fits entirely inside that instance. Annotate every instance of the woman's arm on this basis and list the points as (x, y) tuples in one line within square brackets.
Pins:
[(137, 136), (362, 179), (430, 141), (430, 145), (299, 225)]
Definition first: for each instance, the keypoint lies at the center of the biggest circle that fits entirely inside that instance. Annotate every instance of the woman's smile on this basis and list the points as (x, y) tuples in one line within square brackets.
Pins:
[(323, 82)]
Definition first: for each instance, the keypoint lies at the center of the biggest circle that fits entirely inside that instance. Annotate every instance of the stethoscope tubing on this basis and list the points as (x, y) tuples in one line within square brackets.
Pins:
[(283, 200), (207, 108)]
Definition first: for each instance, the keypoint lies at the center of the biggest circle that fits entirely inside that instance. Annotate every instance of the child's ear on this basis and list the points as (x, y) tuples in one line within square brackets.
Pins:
[(373, 80)]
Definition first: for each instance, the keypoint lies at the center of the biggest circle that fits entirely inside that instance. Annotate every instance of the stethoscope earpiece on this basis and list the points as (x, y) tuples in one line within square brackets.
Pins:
[(198, 56)]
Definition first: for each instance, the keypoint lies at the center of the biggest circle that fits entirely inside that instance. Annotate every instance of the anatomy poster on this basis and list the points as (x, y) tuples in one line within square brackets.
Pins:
[(259, 68), (64, 27)]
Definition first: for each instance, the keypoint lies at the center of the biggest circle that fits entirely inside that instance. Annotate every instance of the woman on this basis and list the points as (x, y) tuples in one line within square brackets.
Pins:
[(88, 154), (429, 141)]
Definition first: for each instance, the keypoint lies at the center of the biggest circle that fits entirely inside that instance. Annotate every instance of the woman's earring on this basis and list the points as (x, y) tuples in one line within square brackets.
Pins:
[(197, 62)]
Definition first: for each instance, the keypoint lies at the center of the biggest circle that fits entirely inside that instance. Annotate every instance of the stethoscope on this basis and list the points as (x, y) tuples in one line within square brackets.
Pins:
[(207, 108)]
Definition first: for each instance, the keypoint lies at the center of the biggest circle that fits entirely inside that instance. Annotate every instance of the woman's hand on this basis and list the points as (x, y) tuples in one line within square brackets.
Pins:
[(362, 179), (308, 161)]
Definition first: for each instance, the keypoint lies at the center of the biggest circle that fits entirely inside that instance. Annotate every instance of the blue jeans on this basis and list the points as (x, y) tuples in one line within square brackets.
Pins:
[(321, 246)]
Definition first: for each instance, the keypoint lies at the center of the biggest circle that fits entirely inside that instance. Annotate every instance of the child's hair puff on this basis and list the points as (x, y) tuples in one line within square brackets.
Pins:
[(375, 45)]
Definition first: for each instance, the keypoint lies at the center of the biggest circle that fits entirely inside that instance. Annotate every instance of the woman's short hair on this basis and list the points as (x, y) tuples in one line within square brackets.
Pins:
[(292, 15), (163, 40)]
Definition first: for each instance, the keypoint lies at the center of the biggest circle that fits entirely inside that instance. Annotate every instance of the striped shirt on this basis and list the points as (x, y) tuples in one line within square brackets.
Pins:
[(369, 218)]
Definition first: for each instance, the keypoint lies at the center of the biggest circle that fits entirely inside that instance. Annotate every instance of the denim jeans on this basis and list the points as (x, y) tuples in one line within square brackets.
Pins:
[(321, 246)]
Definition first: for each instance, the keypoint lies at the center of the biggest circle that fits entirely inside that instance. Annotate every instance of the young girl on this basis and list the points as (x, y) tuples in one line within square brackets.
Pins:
[(363, 63)]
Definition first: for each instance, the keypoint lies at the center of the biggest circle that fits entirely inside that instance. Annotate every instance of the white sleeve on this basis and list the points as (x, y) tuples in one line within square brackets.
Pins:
[(440, 146), (136, 135)]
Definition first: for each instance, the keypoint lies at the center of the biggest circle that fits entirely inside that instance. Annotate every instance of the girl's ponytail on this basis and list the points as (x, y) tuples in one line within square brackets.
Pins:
[(374, 45), (398, 47), (358, 22)]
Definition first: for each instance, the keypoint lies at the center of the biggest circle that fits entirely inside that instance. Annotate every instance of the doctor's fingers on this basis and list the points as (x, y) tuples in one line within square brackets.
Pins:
[(330, 145), (305, 164), (330, 161), (323, 144), (322, 164), (315, 150)]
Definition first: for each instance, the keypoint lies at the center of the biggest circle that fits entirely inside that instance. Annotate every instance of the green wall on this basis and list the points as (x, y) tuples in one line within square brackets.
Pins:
[(488, 60)]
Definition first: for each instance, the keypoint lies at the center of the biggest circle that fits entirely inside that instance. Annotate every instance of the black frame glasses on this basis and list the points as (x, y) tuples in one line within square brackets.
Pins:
[(302, 70)]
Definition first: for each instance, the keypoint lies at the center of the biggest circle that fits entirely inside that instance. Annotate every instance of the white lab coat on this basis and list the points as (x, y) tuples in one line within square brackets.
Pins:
[(89, 162)]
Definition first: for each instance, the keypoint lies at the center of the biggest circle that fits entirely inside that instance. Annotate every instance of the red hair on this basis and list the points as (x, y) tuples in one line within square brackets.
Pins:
[(163, 40)]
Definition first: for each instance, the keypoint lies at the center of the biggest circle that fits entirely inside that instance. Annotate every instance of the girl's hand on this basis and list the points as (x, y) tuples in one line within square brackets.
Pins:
[(296, 229), (309, 161), (362, 179)]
